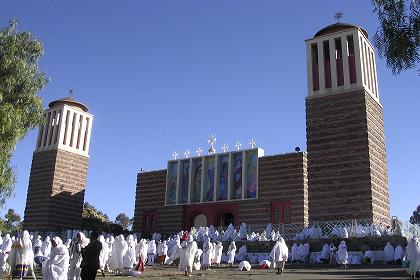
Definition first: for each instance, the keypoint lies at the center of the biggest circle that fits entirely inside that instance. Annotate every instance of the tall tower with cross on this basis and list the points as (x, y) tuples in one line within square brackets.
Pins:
[(347, 167), (59, 168)]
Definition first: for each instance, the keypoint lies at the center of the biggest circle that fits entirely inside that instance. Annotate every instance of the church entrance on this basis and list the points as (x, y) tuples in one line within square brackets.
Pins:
[(200, 221), (226, 219)]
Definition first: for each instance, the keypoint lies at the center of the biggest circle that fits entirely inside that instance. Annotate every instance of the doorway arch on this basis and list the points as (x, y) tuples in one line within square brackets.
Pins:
[(224, 219), (200, 221)]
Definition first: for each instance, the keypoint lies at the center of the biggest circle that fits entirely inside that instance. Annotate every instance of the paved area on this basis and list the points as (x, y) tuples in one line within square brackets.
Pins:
[(292, 272)]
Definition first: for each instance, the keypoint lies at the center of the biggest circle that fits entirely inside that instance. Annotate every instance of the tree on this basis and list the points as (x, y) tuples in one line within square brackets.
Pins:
[(123, 220), (20, 107), (415, 218), (93, 219), (11, 222), (398, 36)]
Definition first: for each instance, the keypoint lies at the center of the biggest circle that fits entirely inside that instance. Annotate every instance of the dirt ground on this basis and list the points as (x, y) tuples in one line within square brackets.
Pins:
[(292, 272)]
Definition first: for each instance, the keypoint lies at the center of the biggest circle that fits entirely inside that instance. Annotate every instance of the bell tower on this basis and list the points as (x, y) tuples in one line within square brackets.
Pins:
[(347, 168), (59, 168)]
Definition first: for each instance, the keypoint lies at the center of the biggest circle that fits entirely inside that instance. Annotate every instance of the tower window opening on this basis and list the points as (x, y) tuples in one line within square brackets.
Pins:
[(56, 127), (327, 64), (46, 129), (315, 69), (51, 129), (66, 125), (339, 61), (73, 127), (79, 131), (86, 134), (351, 59)]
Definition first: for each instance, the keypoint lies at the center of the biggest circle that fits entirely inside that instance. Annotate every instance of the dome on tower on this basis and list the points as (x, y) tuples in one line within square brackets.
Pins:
[(70, 102), (336, 27)]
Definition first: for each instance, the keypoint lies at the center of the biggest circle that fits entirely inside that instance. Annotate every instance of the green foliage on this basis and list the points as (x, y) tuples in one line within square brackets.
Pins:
[(123, 220), (11, 222), (20, 107), (93, 219), (398, 36), (415, 218)]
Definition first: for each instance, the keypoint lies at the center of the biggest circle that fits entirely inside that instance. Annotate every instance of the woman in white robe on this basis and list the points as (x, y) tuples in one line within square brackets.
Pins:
[(5, 248), (46, 247), (151, 252), (242, 254), (207, 253), (398, 254), (188, 251), (103, 255), (130, 254), (21, 258), (78, 243), (244, 266), (218, 249), (119, 248), (279, 255), (142, 253), (388, 253), (413, 255), (231, 251), (295, 253), (56, 267), (325, 254), (342, 255), (162, 252), (175, 252), (304, 252)]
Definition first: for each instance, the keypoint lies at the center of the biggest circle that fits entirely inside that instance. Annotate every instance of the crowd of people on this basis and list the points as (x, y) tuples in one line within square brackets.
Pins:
[(82, 257)]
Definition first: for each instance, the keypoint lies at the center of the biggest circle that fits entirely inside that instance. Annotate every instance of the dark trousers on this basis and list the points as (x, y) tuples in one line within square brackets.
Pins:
[(88, 273)]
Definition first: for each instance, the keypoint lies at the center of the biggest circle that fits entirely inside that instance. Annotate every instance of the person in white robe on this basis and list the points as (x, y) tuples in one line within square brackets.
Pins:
[(231, 251), (243, 231), (388, 253), (162, 253), (324, 256), (242, 254), (342, 254), (398, 254), (151, 252), (218, 249), (119, 248), (78, 243), (304, 252), (207, 253), (103, 255), (56, 267), (37, 243), (279, 254), (142, 253), (244, 266), (21, 258), (264, 264), (46, 247), (197, 258), (333, 251), (176, 252), (129, 257), (188, 251), (295, 253), (413, 256), (369, 257), (5, 248)]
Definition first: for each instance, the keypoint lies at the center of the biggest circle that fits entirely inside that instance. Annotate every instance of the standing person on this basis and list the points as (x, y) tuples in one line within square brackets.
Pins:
[(104, 255), (56, 267), (332, 254), (162, 253), (207, 253), (342, 255), (22, 257), (231, 251), (130, 255), (90, 255), (46, 247), (142, 253), (413, 255), (188, 251), (151, 252), (119, 247), (279, 254), (218, 249), (78, 243), (5, 248), (389, 253), (295, 253)]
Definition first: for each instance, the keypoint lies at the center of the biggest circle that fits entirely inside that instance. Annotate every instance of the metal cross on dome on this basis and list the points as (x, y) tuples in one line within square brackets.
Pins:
[(199, 151), (338, 15), (252, 143), (187, 153), (212, 142), (238, 145), (174, 154), (224, 148)]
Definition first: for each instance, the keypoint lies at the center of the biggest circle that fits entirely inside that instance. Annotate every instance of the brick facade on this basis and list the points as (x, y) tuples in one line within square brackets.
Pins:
[(346, 158), (56, 191), (282, 181)]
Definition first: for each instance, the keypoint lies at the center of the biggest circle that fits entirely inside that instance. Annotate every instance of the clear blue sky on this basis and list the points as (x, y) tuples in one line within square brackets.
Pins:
[(163, 75)]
